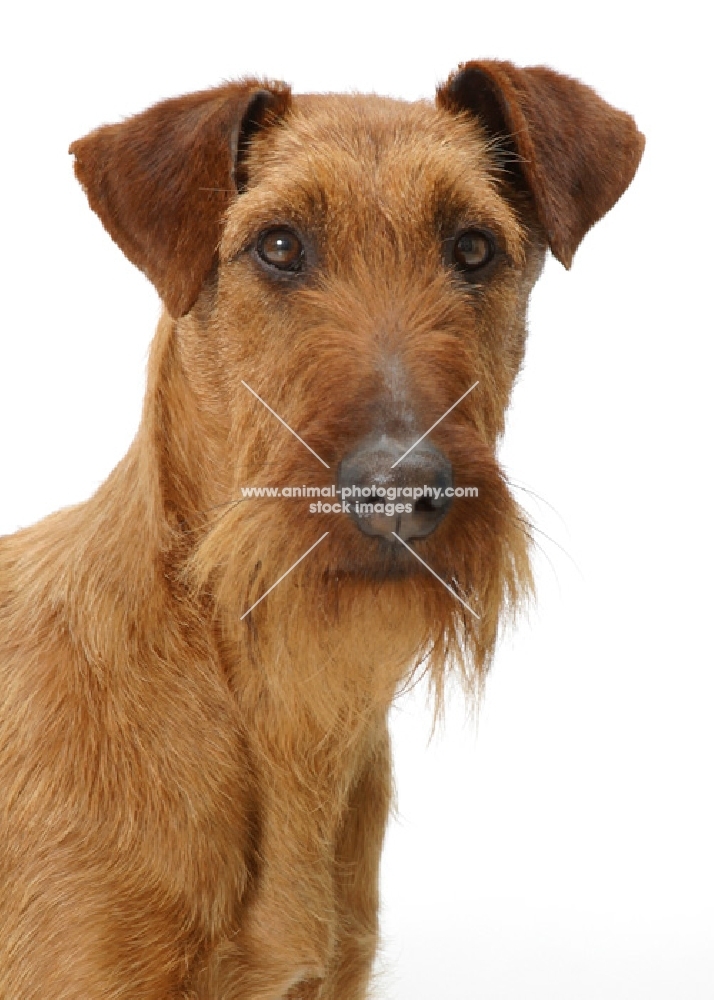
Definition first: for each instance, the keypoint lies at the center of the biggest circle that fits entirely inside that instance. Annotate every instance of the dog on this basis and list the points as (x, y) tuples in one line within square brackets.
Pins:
[(194, 681)]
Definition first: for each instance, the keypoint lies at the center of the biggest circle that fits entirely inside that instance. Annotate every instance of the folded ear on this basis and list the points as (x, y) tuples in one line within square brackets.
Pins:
[(575, 152), (162, 180)]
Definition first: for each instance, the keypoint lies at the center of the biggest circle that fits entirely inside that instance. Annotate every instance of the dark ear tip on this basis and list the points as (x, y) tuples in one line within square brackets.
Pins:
[(261, 104), (466, 86), (461, 77), (75, 150), (474, 88), (449, 94), (267, 102), (563, 256), (265, 105)]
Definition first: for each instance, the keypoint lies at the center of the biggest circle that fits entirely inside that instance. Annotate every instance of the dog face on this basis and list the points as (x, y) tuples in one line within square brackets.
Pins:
[(378, 320), (360, 265)]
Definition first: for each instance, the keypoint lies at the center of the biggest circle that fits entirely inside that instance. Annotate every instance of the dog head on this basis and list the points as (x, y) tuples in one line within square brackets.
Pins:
[(356, 271)]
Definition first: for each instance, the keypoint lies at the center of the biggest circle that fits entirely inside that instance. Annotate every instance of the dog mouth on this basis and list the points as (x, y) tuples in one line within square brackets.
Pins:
[(381, 558), (390, 557)]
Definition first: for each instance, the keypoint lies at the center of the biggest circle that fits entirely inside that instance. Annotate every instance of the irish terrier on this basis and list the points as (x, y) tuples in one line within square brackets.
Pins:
[(194, 759)]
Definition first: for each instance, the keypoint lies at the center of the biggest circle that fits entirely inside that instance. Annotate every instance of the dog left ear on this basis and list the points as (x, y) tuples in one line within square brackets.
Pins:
[(162, 181), (575, 153)]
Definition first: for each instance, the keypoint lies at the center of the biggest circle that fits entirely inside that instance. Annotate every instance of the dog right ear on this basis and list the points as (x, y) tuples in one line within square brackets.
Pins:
[(575, 153), (162, 180)]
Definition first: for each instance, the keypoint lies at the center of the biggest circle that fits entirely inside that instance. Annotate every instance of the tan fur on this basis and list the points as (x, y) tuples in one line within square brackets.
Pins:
[(191, 804)]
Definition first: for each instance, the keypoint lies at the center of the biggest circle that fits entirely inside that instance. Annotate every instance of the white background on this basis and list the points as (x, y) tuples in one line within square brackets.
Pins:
[(562, 849)]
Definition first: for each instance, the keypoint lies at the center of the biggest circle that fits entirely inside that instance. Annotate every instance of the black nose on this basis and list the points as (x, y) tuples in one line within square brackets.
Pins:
[(409, 498)]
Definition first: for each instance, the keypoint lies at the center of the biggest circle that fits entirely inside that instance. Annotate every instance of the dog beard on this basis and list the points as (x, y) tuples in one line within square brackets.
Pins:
[(364, 610)]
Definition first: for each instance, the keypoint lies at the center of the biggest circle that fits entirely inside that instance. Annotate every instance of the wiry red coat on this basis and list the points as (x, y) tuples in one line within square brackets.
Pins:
[(192, 803)]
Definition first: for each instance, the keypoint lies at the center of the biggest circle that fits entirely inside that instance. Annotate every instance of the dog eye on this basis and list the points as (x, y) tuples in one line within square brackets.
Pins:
[(281, 248), (472, 250)]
